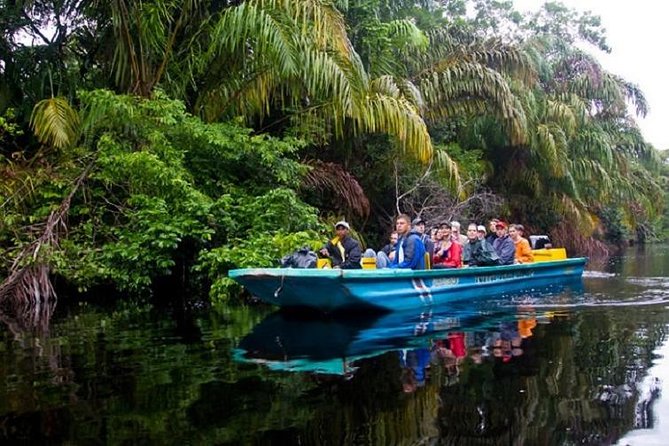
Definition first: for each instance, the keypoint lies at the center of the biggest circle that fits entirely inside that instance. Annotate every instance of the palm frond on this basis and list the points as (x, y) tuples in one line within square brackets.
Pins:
[(55, 122), (381, 113), (334, 179)]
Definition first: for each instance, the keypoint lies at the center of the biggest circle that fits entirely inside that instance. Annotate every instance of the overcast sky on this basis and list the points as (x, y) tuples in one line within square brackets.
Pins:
[(637, 32)]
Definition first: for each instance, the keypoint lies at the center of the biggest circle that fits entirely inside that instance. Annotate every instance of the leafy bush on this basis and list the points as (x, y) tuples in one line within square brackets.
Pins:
[(160, 178)]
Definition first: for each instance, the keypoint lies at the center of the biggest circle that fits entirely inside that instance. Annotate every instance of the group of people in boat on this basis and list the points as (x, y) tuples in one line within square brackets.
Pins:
[(412, 247)]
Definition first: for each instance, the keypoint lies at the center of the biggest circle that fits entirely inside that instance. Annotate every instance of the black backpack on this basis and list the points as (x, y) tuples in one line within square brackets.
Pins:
[(302, 258)]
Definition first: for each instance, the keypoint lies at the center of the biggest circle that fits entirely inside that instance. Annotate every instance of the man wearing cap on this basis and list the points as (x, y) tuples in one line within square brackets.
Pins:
[(480, 229), (419, 226), (343, 250), (503, 245)]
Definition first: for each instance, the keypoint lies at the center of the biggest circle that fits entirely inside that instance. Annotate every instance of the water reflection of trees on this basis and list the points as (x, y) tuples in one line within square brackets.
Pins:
[(128, 376), (583, 392), (576, 383)]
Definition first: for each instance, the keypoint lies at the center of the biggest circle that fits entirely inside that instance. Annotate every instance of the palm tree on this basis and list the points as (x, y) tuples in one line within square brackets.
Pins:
[(583, 151)]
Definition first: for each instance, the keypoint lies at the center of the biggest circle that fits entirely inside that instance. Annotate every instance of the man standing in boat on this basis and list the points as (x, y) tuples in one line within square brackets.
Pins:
[(410, 248), (343, 250)]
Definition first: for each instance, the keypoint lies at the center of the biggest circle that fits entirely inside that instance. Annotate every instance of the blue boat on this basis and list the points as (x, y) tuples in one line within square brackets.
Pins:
[(332, 290), (291, 342)]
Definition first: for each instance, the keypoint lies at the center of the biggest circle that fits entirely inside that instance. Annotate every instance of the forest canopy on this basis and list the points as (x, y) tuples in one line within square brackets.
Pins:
[(143, 139)]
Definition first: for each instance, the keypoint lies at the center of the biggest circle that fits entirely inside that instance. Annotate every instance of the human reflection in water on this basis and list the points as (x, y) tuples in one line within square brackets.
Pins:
[(415, 365), (508, 342), (450, 353), (526, 324)]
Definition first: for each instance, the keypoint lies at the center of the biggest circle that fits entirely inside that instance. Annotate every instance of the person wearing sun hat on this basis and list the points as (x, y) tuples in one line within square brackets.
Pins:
[(343, 250), (503, 245)]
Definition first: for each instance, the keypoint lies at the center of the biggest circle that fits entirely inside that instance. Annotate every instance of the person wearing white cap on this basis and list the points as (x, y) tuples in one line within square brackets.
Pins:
[(343, 250), (480, 229)]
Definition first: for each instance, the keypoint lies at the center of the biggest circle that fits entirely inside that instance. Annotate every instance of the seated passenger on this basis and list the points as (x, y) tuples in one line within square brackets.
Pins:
[(447, 253), (387, 253), (504, 245), (410, 248), (492, 225), (481, 231), (343, 250), (455, 233), (478, 252), (419, 227), (523, 251)]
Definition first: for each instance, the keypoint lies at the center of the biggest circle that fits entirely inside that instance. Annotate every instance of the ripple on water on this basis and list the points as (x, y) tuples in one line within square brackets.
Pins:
[(639, 291), (597, 275), (657, 282)]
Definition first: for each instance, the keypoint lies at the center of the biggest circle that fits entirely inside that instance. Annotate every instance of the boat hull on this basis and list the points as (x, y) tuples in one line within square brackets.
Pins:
[(331, 290)]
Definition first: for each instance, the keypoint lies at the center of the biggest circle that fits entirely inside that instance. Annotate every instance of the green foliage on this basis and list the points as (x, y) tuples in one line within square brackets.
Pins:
[(9, 128), (55, 123), (162, 180), (616, 230), (258, 250)]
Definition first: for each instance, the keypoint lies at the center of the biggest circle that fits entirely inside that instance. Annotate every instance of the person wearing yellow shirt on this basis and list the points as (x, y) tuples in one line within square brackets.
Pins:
[(343, 250)]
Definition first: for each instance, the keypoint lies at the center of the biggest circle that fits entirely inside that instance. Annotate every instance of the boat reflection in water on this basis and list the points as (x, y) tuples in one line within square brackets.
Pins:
[(494, 327)]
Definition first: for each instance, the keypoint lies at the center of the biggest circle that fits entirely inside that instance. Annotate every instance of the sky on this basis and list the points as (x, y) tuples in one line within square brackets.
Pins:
[(637, 32)]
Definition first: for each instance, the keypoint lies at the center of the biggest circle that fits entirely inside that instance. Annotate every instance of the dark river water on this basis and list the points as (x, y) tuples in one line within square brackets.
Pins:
[(579, 364)]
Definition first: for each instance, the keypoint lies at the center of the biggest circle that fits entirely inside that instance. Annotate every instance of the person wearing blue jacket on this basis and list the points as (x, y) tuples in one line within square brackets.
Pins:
[(503, 245), (410, 251)]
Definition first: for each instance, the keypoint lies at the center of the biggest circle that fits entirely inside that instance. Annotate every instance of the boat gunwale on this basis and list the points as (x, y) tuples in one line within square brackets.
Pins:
[(367, 274)]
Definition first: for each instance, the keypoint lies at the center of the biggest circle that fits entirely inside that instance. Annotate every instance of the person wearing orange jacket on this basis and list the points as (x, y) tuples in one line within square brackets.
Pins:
[(523, 249)]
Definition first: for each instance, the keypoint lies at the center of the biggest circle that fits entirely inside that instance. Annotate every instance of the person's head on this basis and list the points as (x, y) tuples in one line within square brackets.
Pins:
[(444, 230), (455, 227), (500, 229), (408, 379), (480, 229), (341, 229), (433, 233), (493, 225), (472, 233), (393, 237), (403, 224), (515, 232), (419, 225)]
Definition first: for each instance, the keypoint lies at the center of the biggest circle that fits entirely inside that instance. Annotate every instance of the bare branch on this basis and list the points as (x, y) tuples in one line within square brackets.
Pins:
[(434, 203), (399, 197)]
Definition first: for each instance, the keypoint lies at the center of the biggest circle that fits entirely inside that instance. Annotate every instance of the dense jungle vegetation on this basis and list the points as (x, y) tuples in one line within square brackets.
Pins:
[(145, 139)]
